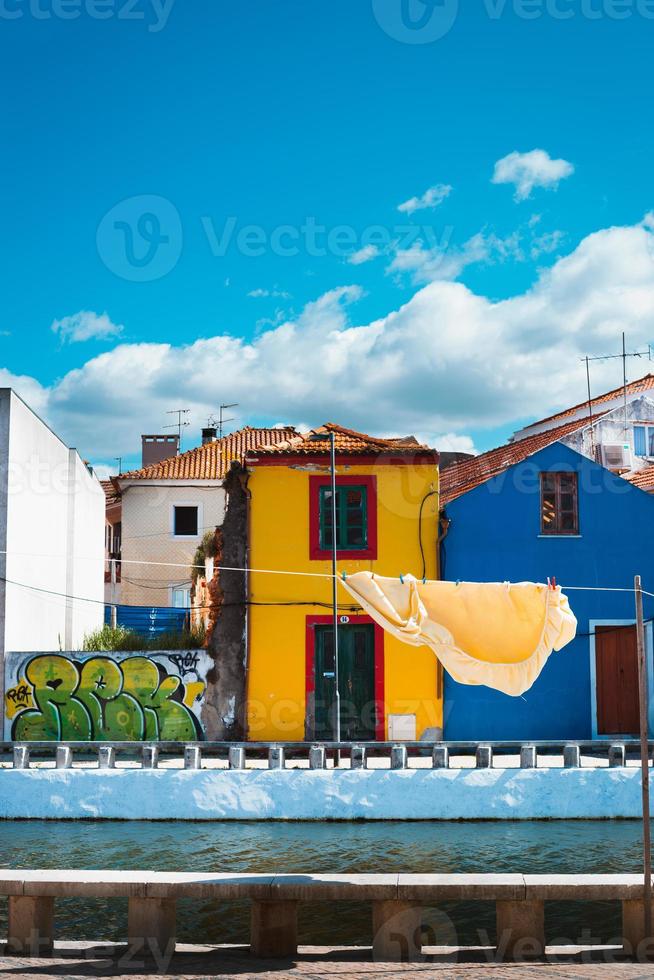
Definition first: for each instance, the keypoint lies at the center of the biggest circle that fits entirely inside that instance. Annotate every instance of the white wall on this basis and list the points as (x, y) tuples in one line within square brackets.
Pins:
[(54, 535), (147, 537)]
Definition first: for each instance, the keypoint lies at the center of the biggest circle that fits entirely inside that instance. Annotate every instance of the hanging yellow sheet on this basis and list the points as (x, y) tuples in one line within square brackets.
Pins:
[(497, 634)]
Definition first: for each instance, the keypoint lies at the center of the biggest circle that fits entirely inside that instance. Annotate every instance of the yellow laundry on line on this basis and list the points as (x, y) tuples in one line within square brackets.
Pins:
[(497, 634)]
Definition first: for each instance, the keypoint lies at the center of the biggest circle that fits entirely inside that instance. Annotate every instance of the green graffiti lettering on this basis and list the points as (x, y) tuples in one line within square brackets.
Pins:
[(104, 699)]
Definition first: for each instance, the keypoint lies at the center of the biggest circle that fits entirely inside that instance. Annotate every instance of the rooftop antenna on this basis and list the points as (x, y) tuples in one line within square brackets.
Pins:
[(222, 420), (181, 423), (119, 460), (610, 357)]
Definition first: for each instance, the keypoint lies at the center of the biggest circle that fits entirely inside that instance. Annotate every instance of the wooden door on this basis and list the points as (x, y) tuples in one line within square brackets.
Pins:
[(616, 671), (356, 682)]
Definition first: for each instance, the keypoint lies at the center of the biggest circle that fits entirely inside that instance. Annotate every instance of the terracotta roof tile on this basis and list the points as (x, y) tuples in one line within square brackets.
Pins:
[(348, 442), (645, 383), (109, 491), (644, 479), (458, 478), (211, 461)]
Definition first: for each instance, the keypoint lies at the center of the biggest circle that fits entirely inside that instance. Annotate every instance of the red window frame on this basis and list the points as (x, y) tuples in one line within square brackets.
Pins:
[(316, 553), (310, 663)]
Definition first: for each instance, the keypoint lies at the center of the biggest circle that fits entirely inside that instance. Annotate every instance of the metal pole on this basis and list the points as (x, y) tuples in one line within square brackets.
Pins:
[(590, 408), (624, 381), (114, 610), (644, 755), (337, 719)]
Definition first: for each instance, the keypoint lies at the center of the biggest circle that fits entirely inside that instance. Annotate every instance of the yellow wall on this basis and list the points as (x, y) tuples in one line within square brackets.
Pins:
[(279, 539)]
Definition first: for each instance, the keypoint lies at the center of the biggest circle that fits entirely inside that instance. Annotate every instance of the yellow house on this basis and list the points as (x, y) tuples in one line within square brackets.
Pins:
[(387, 522)]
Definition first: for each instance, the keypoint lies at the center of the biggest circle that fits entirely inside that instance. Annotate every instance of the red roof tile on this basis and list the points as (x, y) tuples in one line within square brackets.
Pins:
[(461, 477), (644, 479), (348, 443), (211, 461), (645, 383)]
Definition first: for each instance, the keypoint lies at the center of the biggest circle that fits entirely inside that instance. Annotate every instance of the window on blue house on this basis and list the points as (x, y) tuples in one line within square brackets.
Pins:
[(559, 503), (644, 440)]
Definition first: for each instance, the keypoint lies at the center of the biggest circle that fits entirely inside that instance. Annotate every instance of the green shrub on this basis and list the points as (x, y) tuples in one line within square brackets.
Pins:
[(121, 640), (111, 638)]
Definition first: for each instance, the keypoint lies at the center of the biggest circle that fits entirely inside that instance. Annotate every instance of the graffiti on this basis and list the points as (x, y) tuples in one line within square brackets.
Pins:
[(110, 697), (186, 663)]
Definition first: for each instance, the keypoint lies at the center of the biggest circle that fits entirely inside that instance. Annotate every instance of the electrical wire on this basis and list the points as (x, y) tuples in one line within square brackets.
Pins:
[(432, 493)]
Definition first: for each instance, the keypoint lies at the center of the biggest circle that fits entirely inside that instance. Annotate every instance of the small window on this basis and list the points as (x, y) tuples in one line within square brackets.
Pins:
[(185, 522), (351, 518), (644, 440), (559, 503), (181, 595)]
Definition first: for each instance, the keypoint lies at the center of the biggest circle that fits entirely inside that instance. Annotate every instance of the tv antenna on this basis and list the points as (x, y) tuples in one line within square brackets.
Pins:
[(181, 423), (119, 460), (611, 357), (222, 420)]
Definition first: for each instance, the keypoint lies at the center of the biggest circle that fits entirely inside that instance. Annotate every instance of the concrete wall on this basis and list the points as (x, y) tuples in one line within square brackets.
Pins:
[(147, 537), (54, 535), (495, 536), (410, 794)]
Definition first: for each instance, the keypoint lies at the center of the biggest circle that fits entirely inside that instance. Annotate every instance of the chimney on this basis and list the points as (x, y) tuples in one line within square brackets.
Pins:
[(209, 434), (154, 449)]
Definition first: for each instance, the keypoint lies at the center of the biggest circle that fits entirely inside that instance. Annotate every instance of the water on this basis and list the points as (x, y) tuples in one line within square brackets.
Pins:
[(577, 846)]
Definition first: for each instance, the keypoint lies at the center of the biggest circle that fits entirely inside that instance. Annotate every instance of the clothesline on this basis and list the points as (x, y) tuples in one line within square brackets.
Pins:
[(282, 571)]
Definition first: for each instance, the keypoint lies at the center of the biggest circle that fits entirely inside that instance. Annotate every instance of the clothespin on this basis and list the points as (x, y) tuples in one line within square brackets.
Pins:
[(552, 583), (402, 579), (344, 576)]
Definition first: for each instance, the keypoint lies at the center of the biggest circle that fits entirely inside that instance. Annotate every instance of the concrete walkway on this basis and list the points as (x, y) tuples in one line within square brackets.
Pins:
[(81, 961)]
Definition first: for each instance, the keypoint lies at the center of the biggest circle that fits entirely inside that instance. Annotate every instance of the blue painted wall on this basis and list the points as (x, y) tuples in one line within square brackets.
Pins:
[(149, 621), (495, 536)]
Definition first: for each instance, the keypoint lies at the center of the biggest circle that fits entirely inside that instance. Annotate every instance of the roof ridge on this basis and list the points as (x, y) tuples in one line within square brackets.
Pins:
[(597, 399)]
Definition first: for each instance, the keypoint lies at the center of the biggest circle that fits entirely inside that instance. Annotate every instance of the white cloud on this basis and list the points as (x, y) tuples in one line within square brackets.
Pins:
[(447, 263), (452, 443), (85, 325), (546, 244), (529, 170), (275, 292), (430, 199), (447, 362), (364, 254)]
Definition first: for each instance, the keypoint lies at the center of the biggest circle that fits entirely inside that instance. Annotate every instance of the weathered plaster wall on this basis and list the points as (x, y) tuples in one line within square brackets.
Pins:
[(147, 537)]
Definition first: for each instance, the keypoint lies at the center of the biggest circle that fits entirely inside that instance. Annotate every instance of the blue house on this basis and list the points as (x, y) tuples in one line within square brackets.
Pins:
[(537, 509)]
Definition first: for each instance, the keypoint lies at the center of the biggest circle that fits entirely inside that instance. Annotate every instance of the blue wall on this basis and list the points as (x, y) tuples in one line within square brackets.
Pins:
[(149, 621), (495, 536)]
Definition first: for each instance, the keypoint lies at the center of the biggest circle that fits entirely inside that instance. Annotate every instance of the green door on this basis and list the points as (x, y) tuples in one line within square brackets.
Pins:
[(356, 669)]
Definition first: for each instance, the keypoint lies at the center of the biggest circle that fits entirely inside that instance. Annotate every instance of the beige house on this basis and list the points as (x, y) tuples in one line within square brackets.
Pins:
[(167, 507)]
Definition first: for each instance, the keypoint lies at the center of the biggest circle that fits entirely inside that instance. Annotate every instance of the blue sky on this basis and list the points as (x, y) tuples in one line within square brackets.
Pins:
[(132, 145)]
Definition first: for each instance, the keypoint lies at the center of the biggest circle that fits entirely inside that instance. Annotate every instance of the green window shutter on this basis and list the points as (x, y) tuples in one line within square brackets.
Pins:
[(351, 518)]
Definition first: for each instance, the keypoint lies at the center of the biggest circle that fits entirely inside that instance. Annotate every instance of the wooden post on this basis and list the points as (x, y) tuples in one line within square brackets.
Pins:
[(643, 703)]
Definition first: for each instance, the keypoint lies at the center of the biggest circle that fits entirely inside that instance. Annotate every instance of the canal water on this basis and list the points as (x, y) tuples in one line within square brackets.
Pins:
[(564, 847)]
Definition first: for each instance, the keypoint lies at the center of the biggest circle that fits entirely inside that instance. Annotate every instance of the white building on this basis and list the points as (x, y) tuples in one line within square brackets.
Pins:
[(51, 537), (167, 508)]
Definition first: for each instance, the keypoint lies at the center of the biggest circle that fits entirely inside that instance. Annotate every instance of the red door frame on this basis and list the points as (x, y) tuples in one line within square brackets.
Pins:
[(310, 672)]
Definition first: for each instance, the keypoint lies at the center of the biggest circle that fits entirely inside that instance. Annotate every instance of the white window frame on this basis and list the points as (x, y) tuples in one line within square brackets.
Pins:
[(179, 587), (186, 537), (646, 426), (649, 648)]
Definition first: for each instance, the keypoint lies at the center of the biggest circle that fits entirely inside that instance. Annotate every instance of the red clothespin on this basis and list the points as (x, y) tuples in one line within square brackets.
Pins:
[(552, 583)]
